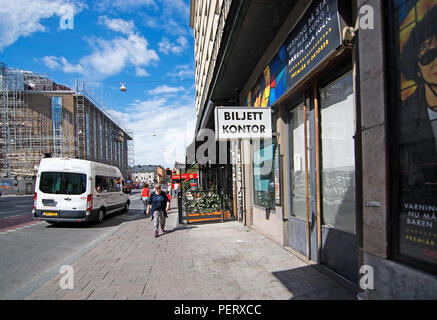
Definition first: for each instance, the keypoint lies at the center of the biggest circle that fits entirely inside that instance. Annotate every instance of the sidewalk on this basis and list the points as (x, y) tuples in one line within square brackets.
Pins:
[(210, 261)]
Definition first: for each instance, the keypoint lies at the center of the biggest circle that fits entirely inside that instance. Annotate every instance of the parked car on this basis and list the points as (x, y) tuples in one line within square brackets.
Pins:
[(1, 191), (74, 190)]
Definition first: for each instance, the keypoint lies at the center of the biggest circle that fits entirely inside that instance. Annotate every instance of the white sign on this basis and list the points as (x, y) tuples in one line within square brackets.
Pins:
[(243, 123)]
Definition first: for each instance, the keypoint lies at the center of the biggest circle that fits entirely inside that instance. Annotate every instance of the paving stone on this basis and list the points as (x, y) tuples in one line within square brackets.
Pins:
[(213, 261)]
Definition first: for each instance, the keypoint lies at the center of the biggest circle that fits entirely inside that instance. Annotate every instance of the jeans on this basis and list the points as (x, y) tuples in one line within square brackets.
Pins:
[(158, 219)]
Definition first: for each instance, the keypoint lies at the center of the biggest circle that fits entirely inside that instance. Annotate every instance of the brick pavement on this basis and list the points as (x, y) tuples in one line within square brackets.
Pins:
[(224, 261)]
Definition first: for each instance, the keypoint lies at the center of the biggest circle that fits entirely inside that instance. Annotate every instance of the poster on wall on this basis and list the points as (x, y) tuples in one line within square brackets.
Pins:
[(314, 38), (416, 32)]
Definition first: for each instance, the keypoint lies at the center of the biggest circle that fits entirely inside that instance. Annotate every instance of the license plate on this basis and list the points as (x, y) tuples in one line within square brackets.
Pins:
[(50, 214)]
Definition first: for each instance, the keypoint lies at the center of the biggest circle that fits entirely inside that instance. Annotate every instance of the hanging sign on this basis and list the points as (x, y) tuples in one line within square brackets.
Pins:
[(314, 38), (243, 123)]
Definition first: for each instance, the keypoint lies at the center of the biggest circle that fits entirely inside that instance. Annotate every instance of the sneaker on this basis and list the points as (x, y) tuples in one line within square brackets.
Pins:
[(163, 230), (156, 233)]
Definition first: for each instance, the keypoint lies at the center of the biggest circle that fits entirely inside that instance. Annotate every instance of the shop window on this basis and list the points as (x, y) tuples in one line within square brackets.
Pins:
[(338, 154), (298, 162), (265, 165), (414, 131)]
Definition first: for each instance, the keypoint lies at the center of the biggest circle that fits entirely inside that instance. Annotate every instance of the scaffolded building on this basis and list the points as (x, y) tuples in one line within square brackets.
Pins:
[(40, 118)]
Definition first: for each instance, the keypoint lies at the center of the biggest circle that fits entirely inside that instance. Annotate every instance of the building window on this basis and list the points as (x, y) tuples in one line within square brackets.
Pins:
[(264, 167), (299, 156), (414, 130), (57, 125), (87, 126), (106, 142), (101, 138), (95, 133), (338, 154)]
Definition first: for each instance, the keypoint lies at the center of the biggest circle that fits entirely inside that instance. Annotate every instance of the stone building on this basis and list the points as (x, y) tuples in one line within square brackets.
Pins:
[(352, 158), (41, 118)]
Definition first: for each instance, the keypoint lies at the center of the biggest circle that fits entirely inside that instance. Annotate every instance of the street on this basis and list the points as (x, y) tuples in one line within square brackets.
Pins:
[(33, 250), (120, 259)]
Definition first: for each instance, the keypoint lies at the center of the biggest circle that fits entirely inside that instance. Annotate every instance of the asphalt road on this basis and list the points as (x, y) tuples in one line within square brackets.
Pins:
[(12, 206), (31, 251)]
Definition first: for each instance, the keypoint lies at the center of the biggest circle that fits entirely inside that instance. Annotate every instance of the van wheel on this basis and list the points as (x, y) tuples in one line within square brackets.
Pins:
[(100, 216), (126, 207)]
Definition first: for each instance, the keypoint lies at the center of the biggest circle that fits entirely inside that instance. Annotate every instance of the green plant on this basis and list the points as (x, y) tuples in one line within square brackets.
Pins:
[(209, 201)]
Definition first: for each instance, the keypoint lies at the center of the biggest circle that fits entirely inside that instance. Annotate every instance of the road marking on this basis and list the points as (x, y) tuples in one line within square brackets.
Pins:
[(22, 227), (15, 222)]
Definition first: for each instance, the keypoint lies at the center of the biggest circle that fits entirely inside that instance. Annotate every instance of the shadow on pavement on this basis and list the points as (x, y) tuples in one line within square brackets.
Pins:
[(312, 283), (183, 228)]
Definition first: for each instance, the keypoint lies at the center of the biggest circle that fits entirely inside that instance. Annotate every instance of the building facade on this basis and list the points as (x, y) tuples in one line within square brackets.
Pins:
[(352, 161), (41, 118), (161, 175), (144, 174)]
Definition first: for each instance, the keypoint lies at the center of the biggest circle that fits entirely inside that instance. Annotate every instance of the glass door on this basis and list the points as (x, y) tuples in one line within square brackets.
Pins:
[(337, 130), (299, 215)]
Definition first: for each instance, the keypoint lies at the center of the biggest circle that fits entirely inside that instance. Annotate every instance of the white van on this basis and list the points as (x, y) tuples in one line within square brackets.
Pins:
[(74, 190)]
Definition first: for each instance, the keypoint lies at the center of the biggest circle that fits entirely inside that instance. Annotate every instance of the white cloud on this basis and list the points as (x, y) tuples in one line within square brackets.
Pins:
[(51, 62), (184, 71), (172, 19), (140, 72), (117, 25), (60, 63), (166, 47), (165, 90), (112, 56), (19, 18), (123, 5), (172, 121)]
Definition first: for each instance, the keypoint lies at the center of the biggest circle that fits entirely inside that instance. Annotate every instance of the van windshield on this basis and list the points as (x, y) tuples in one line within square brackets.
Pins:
[(62, 183)]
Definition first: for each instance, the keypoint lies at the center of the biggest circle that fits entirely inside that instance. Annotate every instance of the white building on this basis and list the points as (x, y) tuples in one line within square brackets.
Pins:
[(144, 174), (204, 19)]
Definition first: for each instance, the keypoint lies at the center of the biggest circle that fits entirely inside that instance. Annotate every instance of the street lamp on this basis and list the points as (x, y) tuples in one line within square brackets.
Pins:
[(123, 88)]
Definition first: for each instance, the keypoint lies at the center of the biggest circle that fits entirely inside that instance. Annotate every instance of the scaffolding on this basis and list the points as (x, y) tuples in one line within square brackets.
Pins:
[(26, 135), (29, 131)]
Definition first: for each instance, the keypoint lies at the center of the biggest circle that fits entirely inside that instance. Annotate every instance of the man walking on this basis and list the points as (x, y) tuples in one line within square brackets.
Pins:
[(159, 205)]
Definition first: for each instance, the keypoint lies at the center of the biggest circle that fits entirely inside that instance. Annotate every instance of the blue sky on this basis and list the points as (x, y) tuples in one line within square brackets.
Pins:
[(147, 44)]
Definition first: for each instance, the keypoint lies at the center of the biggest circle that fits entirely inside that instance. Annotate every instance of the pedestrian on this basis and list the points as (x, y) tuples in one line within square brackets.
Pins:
[(118, 185), (158, 206), (145, 193)]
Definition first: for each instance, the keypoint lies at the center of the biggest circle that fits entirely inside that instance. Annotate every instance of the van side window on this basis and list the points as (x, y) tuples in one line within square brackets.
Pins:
[(102, 184), (108, 184), (111, 184), (117, 184)]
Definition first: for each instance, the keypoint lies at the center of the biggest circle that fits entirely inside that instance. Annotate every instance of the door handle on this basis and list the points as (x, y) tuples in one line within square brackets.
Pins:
[(68, 199)]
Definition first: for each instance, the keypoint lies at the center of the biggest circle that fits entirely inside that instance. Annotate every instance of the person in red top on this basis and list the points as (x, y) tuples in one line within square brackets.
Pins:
[(145, 193)]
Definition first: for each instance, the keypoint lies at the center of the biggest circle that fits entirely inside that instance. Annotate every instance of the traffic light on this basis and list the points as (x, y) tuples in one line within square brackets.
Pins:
[(168, 172)]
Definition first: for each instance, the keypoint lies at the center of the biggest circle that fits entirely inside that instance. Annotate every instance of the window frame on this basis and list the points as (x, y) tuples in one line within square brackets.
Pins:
[(394, 93)]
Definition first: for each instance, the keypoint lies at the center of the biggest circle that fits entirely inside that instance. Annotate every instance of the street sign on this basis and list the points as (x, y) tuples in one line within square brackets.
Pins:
[(185, 176), (233, 123)]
